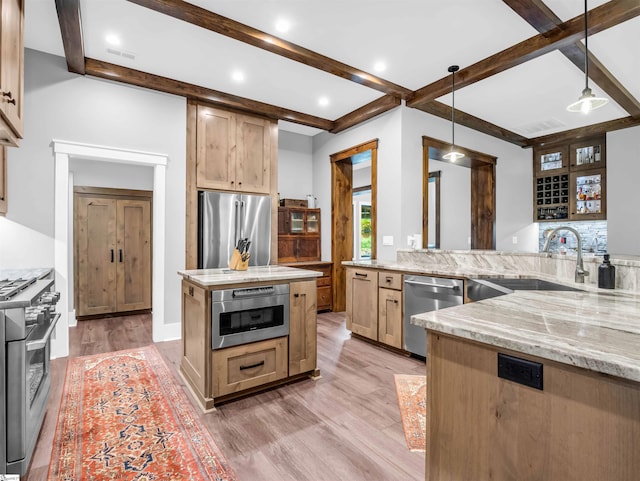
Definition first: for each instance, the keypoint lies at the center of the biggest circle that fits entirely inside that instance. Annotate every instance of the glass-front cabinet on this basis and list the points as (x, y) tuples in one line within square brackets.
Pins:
[(570, 181), (588, 199), (301, 220)]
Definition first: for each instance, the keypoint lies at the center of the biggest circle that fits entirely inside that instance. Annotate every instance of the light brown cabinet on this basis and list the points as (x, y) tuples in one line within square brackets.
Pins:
[(11, 71), (3, 180), (222, 374), (362, 302), (112, 252), (302, 327), (390, 309), (233, 151), (242, 367), (324, 284), (298, 234), (196, 335)]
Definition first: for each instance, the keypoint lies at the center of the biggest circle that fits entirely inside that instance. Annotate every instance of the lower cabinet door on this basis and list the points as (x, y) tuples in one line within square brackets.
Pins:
[(242, 367), (390, 317), (302, 327)]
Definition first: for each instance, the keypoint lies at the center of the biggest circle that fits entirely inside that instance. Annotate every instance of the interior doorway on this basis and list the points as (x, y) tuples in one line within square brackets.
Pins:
[(342, 212)]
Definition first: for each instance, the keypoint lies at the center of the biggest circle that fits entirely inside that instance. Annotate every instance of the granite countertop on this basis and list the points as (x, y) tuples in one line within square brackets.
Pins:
[(219, 277), (25, 273), (599, 331)]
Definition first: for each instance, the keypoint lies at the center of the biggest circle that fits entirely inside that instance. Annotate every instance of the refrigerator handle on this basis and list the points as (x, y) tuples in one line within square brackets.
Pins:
[(242, 220), (236, 228)]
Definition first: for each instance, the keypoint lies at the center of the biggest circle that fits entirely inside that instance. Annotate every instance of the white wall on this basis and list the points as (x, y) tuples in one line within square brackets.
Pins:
[(623, 172), (112, 175), (295, 170), (64, 106), (400, 134), (386, 128)]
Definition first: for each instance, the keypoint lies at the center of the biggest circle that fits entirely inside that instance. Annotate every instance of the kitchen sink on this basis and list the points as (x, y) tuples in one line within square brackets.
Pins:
[(479, 289), (530, 285)]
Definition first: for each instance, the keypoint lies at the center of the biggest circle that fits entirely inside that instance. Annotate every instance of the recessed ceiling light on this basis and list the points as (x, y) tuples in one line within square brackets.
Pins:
[(380, 66), (112, 39), (283, 25), (323, 101), (237, 76)]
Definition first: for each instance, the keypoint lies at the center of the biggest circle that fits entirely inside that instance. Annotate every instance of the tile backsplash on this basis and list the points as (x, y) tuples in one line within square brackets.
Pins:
[(593, 233)]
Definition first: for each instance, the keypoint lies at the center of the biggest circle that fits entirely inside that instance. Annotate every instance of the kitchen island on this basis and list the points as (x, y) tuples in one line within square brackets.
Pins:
[(222, 364), (565, 404)]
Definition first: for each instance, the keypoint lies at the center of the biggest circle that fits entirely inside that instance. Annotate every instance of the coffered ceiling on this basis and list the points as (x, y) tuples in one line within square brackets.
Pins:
[(362, 57)]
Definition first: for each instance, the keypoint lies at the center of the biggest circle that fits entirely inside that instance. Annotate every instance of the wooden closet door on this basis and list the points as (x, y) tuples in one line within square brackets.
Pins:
[(134, 254), (96, 255)]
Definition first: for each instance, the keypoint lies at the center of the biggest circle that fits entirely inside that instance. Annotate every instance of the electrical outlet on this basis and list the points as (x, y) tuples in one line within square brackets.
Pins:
[(514, 239), (387, 240)]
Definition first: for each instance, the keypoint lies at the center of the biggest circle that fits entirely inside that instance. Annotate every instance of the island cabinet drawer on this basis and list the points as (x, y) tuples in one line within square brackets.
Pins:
[(242, 367), (323, 281), (390, 280)]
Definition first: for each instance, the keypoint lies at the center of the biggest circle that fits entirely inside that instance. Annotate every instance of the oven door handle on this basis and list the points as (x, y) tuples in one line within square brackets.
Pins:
[(42, 342)]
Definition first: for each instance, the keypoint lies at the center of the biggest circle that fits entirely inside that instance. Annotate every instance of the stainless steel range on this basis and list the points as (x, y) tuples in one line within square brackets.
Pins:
[(27, 319)]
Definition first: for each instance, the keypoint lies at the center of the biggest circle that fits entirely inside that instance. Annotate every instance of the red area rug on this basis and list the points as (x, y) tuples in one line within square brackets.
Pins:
[(123, 417), (412, 399)]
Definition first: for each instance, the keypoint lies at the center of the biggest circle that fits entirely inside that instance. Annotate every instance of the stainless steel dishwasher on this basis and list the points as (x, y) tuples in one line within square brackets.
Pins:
[(424, 294)]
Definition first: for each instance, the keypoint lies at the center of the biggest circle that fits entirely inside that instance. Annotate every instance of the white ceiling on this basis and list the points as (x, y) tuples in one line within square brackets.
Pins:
[(417, 39)]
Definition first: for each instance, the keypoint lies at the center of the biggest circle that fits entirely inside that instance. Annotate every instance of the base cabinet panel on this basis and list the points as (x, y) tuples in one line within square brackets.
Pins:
[(302, 327), (242, 367), (362, 302), (390, 317), (196, 336), (582, 426)]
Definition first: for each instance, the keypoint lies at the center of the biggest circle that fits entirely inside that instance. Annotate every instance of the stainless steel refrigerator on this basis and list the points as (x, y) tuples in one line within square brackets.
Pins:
[(225, 218)]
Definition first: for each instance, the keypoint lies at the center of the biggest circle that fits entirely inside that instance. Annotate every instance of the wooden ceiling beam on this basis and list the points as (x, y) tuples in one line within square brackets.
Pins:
[(462, 118), (230, 28), (366, 112), (542, 18), (605, 16), (109, 71), (71, 30), (583, 132)]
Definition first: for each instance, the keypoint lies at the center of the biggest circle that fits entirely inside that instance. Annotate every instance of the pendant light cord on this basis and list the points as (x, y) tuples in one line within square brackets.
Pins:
[(453, 109), (586, 48)]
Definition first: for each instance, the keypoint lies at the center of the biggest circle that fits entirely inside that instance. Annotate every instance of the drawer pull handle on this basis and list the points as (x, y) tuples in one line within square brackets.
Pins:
[(191, 291), (111, 255), (251, 366), (389, 278), (361, 274), (296, 295)]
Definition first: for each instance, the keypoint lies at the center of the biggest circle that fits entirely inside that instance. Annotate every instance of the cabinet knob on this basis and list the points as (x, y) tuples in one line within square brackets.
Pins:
[(10, 96), (296, 295)]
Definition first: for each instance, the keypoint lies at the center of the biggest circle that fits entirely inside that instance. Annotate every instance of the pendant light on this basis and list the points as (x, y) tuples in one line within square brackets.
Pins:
[(587, 101), (453, 155)]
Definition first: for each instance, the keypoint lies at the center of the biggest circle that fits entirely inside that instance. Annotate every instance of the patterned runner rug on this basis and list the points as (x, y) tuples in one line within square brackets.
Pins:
[(412, 399), (123, 417)]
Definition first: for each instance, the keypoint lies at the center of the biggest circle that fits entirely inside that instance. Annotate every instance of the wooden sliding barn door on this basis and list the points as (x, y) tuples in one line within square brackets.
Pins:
[(134, 254), (95, 230), (112, 250)]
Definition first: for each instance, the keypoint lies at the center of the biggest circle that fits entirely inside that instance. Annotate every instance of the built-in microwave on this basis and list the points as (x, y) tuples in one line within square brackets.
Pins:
[(245, 315)]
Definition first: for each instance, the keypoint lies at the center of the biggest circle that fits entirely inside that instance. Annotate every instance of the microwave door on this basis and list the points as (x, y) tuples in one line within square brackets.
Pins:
[(218, 228), (255, 225)]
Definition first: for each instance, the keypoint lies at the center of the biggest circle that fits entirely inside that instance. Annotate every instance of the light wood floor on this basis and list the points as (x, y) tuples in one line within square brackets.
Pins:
[(343, 426)]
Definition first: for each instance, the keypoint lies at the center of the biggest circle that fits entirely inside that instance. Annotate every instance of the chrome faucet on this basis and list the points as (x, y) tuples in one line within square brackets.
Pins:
[(580, 272)]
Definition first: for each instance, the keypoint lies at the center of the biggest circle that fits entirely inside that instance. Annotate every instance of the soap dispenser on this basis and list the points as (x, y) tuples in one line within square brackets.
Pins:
[(606, 274)]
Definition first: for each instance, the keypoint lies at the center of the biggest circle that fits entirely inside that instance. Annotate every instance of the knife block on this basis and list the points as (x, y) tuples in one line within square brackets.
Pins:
[(236, 263)]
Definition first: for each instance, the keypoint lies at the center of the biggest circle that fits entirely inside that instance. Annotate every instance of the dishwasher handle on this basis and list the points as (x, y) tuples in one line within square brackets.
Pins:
[(439, 286)]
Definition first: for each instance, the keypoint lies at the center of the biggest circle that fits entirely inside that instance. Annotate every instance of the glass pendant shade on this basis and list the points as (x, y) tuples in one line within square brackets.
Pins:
[(453, 155), (587, 101)]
